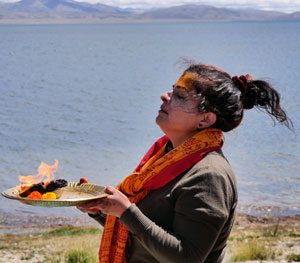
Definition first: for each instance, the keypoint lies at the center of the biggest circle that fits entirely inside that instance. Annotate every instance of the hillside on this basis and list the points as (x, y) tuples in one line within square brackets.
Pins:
[(69, 11), (210, 13)]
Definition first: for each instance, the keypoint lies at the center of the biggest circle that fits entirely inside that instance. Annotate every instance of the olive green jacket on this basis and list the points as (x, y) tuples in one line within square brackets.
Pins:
[(187, 220)]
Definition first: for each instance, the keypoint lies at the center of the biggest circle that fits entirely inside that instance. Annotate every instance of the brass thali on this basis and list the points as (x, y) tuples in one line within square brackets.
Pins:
[(71, 195)]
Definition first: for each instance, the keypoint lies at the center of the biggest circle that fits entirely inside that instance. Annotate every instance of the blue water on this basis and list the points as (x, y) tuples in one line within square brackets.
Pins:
[(88, 95)]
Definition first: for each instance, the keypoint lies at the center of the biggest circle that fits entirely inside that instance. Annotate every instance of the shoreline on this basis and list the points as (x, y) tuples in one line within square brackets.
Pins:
[(35, 223)]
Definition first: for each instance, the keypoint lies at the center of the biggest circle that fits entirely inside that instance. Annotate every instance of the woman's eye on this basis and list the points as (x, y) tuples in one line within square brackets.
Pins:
[(178, 96)]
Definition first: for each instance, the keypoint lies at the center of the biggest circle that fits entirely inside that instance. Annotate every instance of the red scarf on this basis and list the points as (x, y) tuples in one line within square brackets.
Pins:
[(154, 171)]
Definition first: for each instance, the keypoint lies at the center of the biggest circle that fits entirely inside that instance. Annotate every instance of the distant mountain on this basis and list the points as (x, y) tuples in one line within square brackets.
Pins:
[(294, 16), (210, 13), (42, 6), (69, 11)]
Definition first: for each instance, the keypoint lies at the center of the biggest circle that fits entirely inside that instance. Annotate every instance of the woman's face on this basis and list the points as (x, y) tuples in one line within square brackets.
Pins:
[(178, 115)]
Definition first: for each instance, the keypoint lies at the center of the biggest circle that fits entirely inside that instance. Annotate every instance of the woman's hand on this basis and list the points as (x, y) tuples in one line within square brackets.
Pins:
[(87, 210), (115, 204)]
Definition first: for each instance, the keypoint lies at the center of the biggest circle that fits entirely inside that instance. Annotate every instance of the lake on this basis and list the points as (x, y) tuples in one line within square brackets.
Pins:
[(88, 95)]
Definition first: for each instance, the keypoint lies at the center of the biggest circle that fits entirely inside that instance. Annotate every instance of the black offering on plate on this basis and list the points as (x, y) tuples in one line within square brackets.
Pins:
[(51, 187)]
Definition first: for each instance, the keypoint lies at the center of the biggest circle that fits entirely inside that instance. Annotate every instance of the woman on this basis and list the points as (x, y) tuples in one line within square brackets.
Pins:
[(179, 204)]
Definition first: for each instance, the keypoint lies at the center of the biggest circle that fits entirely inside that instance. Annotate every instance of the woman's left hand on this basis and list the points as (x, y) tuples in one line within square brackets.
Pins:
[(115, 204)]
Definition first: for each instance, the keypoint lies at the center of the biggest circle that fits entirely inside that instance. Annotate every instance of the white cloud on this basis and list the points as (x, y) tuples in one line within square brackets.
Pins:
[(278, 5)]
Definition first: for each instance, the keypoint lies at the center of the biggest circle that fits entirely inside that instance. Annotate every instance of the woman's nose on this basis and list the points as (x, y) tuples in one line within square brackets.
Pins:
[(166, 97)]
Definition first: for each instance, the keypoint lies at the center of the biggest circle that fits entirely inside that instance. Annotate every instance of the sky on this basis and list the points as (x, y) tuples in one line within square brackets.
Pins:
[(287, 6)]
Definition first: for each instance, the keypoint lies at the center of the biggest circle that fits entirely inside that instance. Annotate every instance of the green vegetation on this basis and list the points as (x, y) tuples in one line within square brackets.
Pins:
[(264, 243), (293, 257), (252, 249), (61, 245), (73, 231), (293, 234), (80, 256), (27, 257), (4, 247)]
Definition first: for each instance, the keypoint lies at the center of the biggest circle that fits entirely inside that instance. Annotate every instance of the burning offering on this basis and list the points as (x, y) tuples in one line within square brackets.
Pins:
[(43, 190), (40, 186)]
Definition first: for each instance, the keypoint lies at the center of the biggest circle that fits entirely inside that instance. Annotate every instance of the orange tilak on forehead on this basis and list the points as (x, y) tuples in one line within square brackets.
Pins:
[(186, 81)]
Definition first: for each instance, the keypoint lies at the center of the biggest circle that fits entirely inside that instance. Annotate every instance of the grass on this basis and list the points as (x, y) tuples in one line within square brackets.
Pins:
[(253, 249), (61, 245), (81, 255), (293, 234), (73, 231), (3, 247), (264, 243), (81, 245), (293, 257), (27, 257)]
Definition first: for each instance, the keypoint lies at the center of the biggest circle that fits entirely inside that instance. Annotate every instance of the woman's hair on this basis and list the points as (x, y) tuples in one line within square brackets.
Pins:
[(228, 97)]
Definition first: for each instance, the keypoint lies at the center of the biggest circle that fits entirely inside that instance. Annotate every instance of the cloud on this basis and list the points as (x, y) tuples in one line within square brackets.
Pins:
[(278, 5)]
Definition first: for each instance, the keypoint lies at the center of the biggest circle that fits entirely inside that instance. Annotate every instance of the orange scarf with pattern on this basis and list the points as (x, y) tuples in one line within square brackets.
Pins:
[(154, 171)]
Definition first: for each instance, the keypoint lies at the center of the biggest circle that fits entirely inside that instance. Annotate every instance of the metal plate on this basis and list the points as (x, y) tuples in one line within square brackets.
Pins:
[(71, 195)]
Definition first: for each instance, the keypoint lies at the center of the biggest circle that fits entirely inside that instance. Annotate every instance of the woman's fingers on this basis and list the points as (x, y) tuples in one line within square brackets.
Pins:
[(93, 211), (110, 190), (114, 204)]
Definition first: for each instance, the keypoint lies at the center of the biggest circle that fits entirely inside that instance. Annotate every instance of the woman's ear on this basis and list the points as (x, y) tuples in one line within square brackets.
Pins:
[(207, 119)]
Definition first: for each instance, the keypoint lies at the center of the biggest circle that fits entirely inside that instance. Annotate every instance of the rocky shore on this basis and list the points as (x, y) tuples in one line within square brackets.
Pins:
[(31, 222)]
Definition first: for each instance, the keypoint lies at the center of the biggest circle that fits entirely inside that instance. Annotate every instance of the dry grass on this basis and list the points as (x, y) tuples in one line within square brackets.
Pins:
[(54, 247), (265, 243), (252, 249), (276, 243)]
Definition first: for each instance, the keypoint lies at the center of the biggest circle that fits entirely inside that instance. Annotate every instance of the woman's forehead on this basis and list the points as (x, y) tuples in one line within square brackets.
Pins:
[(186, 81)]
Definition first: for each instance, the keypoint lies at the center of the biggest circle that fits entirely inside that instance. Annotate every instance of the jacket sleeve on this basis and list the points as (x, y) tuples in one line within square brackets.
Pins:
[(99, 217), (202, 205)]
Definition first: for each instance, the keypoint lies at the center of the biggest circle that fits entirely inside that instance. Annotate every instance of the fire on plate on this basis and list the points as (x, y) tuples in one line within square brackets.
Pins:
[(42, 185)]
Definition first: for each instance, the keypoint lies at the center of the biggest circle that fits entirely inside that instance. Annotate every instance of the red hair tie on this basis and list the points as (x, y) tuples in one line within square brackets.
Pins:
[(242, 81)]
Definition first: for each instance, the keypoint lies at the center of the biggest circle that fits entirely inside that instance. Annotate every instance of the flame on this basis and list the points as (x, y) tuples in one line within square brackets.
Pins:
[(45, 173)]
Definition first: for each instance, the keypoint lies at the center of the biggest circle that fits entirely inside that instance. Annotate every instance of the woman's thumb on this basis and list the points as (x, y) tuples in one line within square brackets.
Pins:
[(110, 190)]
